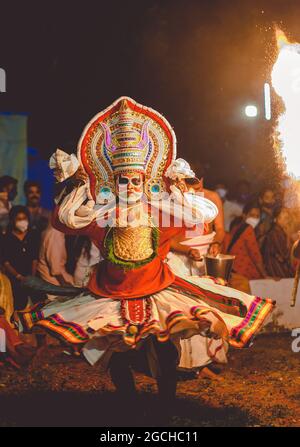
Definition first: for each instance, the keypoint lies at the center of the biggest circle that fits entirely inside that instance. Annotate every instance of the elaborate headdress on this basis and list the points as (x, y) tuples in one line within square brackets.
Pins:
[(126, 137)]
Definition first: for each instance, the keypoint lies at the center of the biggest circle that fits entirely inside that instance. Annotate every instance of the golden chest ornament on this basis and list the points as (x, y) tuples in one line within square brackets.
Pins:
[(132, 243)]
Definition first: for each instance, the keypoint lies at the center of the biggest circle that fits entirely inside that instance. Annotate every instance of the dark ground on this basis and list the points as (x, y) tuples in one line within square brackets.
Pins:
[(259, 387)]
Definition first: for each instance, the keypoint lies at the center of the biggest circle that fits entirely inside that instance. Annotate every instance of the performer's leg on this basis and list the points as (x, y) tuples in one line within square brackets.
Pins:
[(167, 356), (121, 374)]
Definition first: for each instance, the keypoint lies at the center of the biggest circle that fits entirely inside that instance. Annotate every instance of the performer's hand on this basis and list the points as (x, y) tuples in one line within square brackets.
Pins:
[(194, 254), (214, 249)]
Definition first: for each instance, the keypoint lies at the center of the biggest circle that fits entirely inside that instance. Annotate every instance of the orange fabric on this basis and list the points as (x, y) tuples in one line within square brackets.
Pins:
[(247, 253), (110, 280), (12, 339)]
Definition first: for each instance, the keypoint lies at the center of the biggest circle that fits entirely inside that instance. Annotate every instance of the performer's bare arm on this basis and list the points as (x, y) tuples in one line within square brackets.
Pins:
[(218, 223), (184, 249)]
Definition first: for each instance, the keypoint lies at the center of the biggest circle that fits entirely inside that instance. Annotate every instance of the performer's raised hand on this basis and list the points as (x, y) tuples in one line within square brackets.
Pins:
[(64, 165)]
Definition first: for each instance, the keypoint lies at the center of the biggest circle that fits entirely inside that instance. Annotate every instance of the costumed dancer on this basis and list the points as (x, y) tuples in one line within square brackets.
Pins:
[(133, 296)]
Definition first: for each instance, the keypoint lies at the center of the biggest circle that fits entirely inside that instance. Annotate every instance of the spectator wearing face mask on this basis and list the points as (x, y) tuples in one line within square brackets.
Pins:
[(20, 253), (231, 209), (267, 202), (241, 242), (8, 192), (39, 216), (276, 248)]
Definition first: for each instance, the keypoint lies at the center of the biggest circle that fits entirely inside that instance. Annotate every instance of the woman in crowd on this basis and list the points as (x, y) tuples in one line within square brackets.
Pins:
[(20, 253), (276, 248), (241, 242)]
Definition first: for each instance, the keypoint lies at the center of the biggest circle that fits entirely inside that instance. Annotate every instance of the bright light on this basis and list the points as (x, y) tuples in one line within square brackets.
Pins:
[(286, 82), (251, 111), (267, 101)]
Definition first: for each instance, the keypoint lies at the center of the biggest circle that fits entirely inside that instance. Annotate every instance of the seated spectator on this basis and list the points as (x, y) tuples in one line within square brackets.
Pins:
[(87, 256), (8, 192), (231, 208), (53, 258), (276, 248), (39, 216), (20, 253), (267, 203), (241, 242)]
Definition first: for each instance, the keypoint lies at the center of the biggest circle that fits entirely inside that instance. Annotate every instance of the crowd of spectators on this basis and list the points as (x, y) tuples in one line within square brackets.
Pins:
[(30, 246)]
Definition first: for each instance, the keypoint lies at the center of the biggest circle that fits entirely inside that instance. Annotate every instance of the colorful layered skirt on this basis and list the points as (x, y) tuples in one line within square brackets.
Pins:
[(190, 307)]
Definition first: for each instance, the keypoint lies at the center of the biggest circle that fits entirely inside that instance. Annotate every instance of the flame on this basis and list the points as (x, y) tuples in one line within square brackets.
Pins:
[(286, 82), (281, 38)]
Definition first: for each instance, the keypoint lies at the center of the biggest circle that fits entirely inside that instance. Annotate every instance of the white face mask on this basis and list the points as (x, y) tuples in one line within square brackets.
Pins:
[(22, 225), (253, 221), (222, 192)]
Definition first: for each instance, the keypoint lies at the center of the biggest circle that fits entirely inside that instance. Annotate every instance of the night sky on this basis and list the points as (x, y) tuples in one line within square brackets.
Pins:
[(197, 62)]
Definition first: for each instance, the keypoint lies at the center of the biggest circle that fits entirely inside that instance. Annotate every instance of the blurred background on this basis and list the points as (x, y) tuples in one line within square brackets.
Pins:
[(199, 63)]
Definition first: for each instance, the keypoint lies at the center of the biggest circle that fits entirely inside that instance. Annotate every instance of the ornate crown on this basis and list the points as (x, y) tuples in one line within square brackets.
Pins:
[(127, 144), (126, 136)]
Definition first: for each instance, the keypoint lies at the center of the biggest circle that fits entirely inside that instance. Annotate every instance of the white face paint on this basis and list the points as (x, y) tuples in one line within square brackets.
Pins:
[(130, 187)]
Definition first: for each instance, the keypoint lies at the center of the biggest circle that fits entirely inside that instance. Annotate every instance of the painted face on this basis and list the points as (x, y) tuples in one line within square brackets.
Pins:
[(130, 187)]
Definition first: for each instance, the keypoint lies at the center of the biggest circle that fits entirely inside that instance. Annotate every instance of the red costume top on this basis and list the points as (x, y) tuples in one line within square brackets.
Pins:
[(110, 280)]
